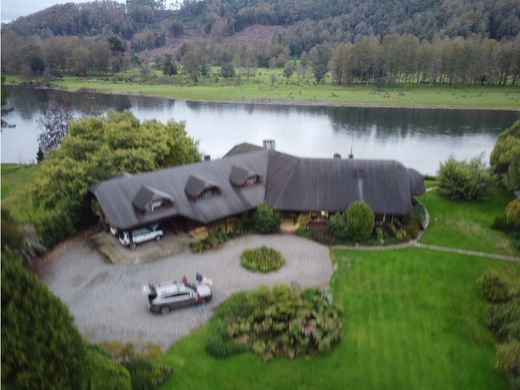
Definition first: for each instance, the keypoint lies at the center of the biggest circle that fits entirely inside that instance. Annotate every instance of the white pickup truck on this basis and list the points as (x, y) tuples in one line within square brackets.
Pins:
[(141, 235)]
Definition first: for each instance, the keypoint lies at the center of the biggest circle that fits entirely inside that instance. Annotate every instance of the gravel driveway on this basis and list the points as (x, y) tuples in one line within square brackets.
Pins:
[(107, 303)]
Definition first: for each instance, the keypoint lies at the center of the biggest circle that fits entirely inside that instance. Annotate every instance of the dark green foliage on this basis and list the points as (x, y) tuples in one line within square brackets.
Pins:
[(509, 361), (515, 242), (41, 348), (11, 237), (414, 221), (503, 320), (265, 220), (39, 155), (513, 213), (337, 227), (262, 259), (214, 240), (169, 66), (227, 70), (275, 322), (147, 375), (54, 227), (505, 157), (463, 179), (96, 149), (360, 221), (103, 373), (494, 287)]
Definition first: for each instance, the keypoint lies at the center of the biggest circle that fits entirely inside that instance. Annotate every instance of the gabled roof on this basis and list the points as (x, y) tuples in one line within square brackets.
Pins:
[(115, 196), (196, 186), (290, 184), (147, 194)]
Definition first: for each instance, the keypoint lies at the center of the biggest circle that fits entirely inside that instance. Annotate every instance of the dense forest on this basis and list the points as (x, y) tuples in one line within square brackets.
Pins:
[(442, 41)]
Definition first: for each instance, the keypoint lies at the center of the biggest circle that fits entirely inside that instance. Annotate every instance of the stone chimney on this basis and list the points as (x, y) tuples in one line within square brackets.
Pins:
[(269, 144)]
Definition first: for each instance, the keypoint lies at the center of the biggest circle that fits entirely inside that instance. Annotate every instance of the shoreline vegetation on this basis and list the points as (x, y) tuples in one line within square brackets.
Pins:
[(261, 92)]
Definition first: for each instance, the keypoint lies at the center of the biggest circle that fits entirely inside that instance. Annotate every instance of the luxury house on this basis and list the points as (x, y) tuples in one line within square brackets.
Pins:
[(217, 191)]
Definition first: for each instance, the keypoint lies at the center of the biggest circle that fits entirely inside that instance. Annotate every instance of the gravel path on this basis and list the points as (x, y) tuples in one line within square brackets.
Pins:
[(106, 300)]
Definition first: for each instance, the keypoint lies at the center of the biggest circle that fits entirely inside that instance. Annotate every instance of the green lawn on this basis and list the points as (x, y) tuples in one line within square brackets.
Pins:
[(467, 224), (413, 320), (260, 88), (17, 181)]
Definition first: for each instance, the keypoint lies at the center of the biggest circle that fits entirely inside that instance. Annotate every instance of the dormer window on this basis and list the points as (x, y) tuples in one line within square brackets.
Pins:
[(241, 177), (197, 188), (149, 200)]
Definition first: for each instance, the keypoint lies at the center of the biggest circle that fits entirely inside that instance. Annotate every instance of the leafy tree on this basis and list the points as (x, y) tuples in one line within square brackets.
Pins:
[(360, 221), (41, 348), (191, 65), (463, 179), (505, 157), (319, 57), (227, 70), (169, 66), (96, 149), (54, 123), (288, 70)]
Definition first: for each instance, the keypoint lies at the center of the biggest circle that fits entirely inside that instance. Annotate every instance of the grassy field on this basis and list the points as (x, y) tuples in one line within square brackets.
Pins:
[(16, 192), (260, 89), (467, 224), (413, 320)]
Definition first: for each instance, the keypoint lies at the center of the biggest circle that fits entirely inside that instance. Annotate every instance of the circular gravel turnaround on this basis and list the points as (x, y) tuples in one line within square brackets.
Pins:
[(106, 299)]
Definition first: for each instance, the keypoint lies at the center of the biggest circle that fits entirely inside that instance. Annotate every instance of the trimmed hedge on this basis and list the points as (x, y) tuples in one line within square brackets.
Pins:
[(262, 259)]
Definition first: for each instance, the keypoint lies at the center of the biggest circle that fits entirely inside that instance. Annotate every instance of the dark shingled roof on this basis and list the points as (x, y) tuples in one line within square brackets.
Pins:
[(291, 184), (146, 195)]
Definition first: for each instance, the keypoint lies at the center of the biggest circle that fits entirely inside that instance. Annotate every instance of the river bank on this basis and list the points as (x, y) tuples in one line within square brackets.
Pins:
[(260, 92)]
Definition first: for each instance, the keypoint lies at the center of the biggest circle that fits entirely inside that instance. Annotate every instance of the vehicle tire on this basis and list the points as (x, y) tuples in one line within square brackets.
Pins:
[(165, 309), (157, 238), (207, 299), (133, 245)]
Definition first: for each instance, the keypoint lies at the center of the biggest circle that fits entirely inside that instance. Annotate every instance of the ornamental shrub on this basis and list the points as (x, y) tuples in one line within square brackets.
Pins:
[(103, 373), (360, 221), (337, 227), (262, 259), (463, 179), (509, 361), (147, 375), (505, 157), (493, 287), (265, 220), (504, 320), (513, 213), (275, 322)]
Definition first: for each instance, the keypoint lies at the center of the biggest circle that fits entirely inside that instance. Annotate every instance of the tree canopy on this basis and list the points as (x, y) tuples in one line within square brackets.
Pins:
[(96, 149), (505, 157), (41, 348)]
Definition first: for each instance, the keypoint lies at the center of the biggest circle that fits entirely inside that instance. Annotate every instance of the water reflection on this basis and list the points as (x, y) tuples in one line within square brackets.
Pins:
[(419, 138)]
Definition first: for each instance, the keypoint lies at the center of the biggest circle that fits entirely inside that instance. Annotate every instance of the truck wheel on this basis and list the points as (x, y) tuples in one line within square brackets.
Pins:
[(157, 238), (165, 309)]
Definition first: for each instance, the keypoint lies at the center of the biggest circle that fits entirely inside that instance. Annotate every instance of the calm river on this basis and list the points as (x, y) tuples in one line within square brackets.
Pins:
[(419, 138)]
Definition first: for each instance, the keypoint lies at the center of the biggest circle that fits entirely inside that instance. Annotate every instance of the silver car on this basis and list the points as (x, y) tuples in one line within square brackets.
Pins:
[(165, 297)]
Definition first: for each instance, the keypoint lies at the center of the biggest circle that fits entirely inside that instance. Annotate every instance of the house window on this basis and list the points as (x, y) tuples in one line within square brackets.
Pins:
[(156, 204), (252, 180), (209, 193)]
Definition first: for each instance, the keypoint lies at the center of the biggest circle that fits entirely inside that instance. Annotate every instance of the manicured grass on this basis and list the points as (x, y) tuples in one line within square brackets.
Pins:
[(467, 224), (17, 182), (413, 320), (260, 88)]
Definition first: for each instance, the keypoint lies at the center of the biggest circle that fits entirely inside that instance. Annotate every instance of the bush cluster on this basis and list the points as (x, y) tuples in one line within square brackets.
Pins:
[(262, 259), (505, 157), (103, 373), (355, 225), (502, 317), (463, 179), (275, 322), (513, 213), (265, 220), (214, 240)]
